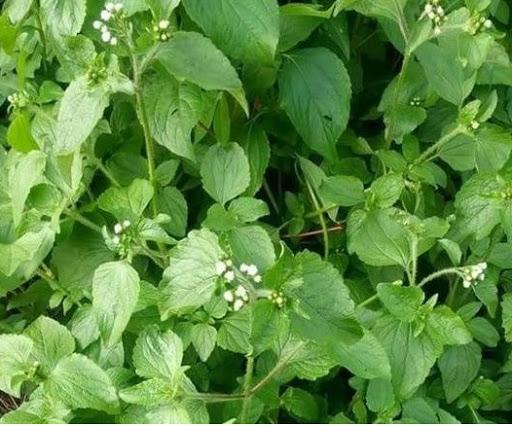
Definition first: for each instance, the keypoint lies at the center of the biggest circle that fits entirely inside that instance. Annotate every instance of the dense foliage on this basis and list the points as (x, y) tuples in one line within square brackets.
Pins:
[(255, 211)]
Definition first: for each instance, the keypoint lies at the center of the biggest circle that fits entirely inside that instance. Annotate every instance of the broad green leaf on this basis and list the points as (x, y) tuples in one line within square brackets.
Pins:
[(325, 307), (506, 307), (127, 203), (447, 328), (204, 337), (80, 110), (300, 404), (445, 74), (172, 202), (235, 332), (386, 190), (149, 393), (189, 282), (17, 9), (315, 92), (115, 290), (80, 383), (493, 147), (481, 203), (247, 31), (84, 326), (170, 413), (459, 366), (192, 57), (379, 395), (402, 302), (378, 239), (247, 209), (345, 191), (411, 357), (173, 110), (257, 150), (252, 245), (157, 354), (267, 323), (63, 17), (19, 134), (483, 331), (15, 362), (225, 172), (52, 342)]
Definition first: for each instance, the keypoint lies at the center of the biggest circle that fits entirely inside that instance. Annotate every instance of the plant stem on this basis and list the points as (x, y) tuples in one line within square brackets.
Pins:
[(101, 167), (313, 233), (270, 195), (325, 231), (432, 150), (440, 273), (142, 113), (247, 386), (414, 259), (322, 210), (367, 301), (77, 217), (42, 36)]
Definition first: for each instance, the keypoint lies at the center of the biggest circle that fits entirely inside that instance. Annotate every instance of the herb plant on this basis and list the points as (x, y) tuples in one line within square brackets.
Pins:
[(255, 211)]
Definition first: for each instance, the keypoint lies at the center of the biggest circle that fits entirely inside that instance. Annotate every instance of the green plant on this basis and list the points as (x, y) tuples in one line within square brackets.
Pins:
[(255, 211)]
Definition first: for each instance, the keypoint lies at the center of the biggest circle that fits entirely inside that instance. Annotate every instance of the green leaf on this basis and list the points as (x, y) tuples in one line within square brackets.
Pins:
[(378, 239), (173, 110), (80, 110), (171, 202), (127, 203), (248, 210), (386, 190), (447, 328), (379, 395), (190, 280), (235, 332), (345, 191), (19, 134), (267, 323), (257, 150), (493, 147), (52, 342), (325, 307), (149, 393), (157, 354), (190, 56), (17, 9), (483, 331), (80, 383), (63, 17), (115, 291), (84, 326), (225, 172), (459, 366), (14, 362), (204, 337), (315, 92), (252, 245), (444, 73), (247, 31), (506, 307), (300, 404), (411, 357), (402, 302)]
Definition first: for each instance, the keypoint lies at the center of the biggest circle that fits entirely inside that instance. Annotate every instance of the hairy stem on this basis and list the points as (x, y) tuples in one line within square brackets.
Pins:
[(432, 150), (247, 386), (325, 231), (437, 274), (77, 217)]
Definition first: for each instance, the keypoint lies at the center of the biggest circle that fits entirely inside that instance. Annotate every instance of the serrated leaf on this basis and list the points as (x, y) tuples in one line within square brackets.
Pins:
[(402, 302), (115, 291), (204, 337), (225, 172), (315, 92), (14, 362)]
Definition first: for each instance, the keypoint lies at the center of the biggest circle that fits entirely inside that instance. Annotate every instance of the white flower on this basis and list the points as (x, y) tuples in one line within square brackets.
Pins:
[(466, 283), (163, 37), (241, 293), (118, 228), (229, 276), (105, 15), (116, 240), (104, 28), (109, 6), (239, 304), (279, 301), (428, 8), (228, 296), (437, 31), (243, 268), (257, 279), (106, 36), (97, 25), (488, 24), (483, 265), (164, 24), (440, 11), (252, 270), (220, 267), (126, 223), (431, 15), (113, 41), (118, 7)]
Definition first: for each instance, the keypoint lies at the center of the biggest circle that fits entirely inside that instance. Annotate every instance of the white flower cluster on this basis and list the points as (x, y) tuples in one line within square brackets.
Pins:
[(474, 273), (18, 100), (435, 12), (479, 23), (277, 298), (416, 101), (111, 11), (238, 296), (161, 30), (119, 228)]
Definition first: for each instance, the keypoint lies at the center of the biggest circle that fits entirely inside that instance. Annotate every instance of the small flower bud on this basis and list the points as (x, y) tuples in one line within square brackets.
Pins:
[(257, 279), (118, 7), (113, 41), (488, 24), (243, 268), (105, 15), (239, 304), (109, 6), (252, 270), (228, 296), (220, 268), (466, 283), (97, 25), (229, 276), (116, 240), (118, 228), (126, 223), (106, 36), (164, 24)]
